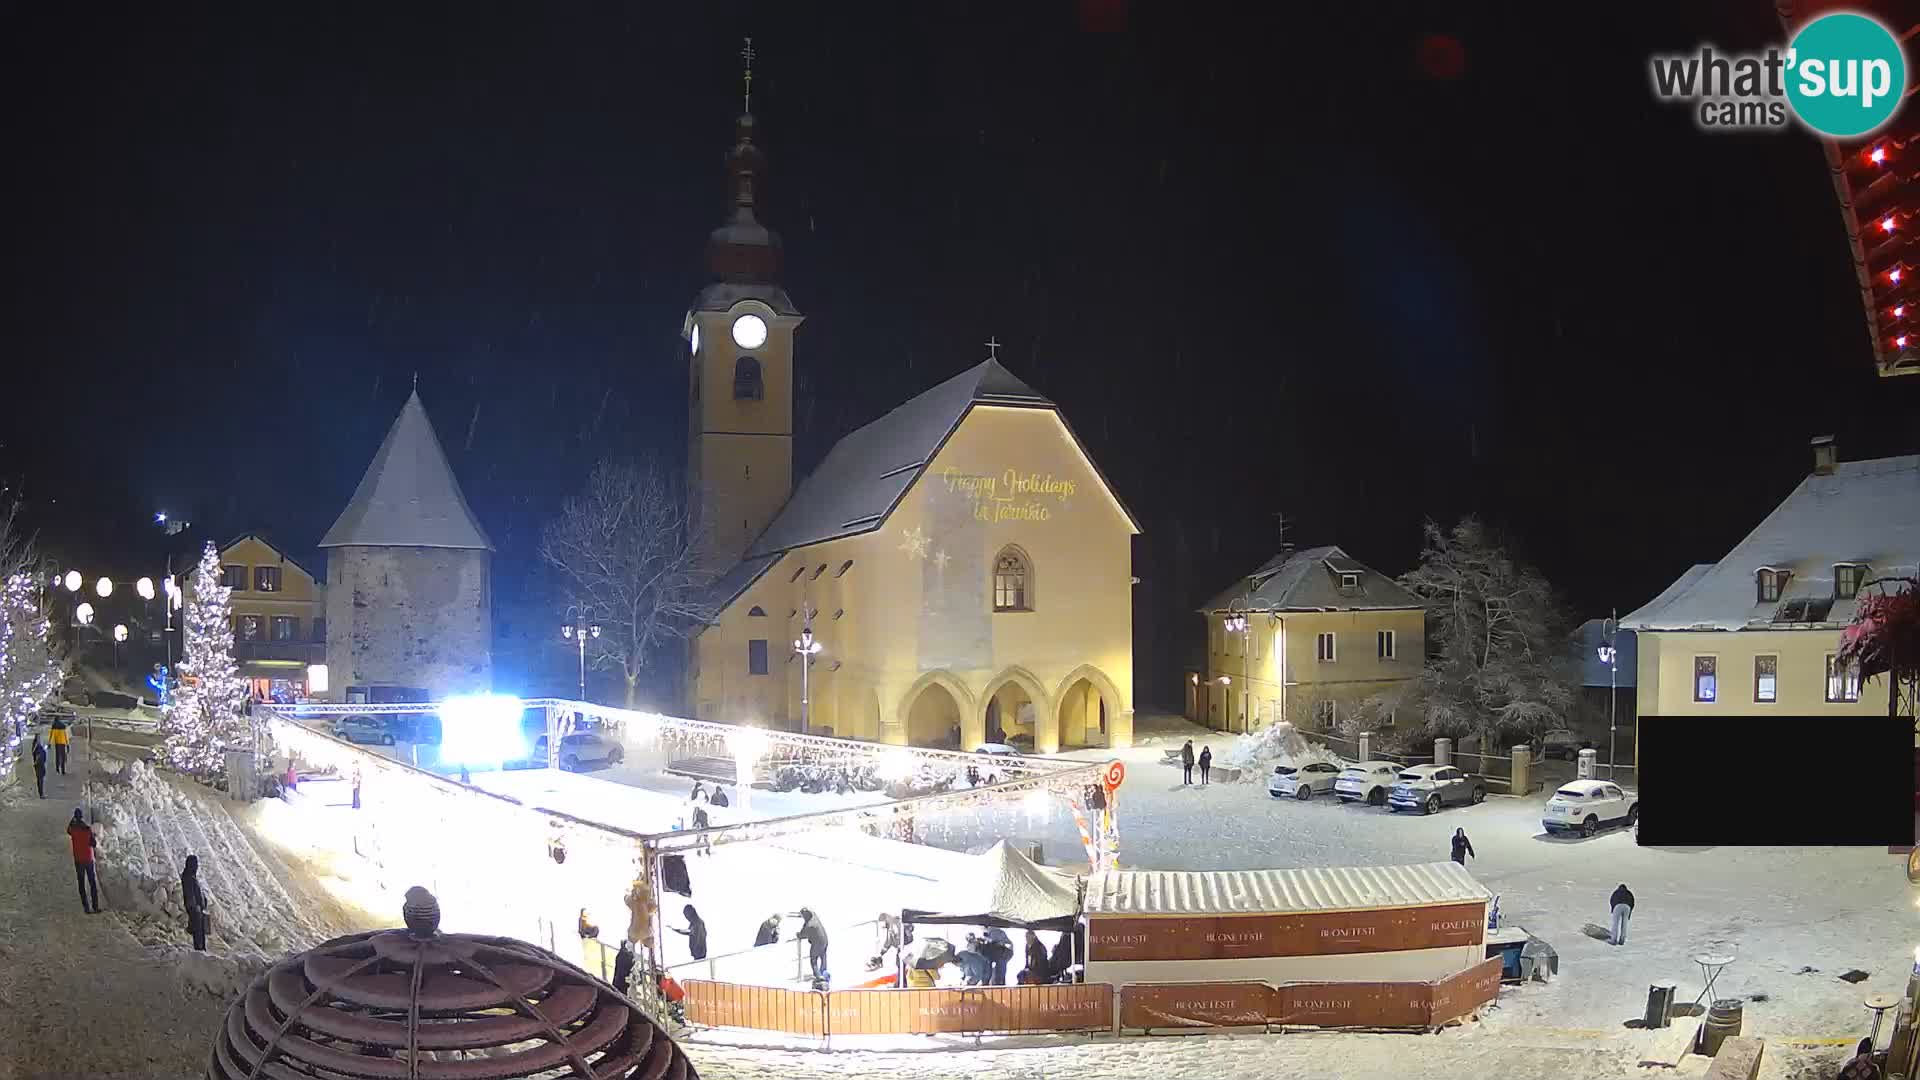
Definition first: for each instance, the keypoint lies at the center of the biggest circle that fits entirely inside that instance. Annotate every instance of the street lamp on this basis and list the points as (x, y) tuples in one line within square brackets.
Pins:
[(578, 631), (73, 581), (806, 648), (144, 587), (1610, 656), (83, 614), (104, 587)]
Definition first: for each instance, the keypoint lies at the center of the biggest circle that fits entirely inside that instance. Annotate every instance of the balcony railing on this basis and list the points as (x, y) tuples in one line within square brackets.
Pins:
[(305, 652)]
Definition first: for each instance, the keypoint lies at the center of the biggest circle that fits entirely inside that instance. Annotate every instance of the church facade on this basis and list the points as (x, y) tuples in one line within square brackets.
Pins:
[(964, 568)]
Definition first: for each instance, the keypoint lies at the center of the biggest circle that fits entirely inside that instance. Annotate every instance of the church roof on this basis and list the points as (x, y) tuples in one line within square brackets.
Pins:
[(867, 473), (409, 497)]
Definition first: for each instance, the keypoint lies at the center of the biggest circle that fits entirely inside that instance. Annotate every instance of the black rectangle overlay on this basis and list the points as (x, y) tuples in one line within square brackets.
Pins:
[(1776, 781)]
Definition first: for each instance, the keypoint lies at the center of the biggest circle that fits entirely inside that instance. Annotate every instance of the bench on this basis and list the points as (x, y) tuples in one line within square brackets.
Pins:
[(1738, 1059)]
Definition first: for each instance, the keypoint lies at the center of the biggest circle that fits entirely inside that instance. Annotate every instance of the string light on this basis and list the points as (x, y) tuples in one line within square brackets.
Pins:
[(1877, 155), (1893, 275), (1899, 311), (1886, 224), (1900, 342)]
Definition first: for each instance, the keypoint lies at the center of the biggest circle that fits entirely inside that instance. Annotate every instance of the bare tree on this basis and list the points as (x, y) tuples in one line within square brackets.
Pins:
[(633, 554), (1501, 665)]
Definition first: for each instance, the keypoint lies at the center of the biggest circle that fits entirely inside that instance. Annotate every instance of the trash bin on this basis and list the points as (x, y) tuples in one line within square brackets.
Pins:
[(1660, 1004), (1033, 853), (1723, 1020)]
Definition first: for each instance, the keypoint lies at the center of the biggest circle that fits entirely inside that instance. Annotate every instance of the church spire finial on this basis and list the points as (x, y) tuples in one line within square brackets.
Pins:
[(993, 347), (747, 54)]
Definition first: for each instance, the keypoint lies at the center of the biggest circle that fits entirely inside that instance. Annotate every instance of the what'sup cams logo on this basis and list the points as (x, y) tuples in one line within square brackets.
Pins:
[(1843, 75)]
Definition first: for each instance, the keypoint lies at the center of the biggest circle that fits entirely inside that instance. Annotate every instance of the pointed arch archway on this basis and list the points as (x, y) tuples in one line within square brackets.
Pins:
[(932, 707), (1001, 706), (1086, 706)]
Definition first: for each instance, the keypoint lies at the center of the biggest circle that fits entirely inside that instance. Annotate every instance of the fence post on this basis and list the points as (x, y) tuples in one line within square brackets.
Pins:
[(1443, 751), (1366, 744), (1522, 764)]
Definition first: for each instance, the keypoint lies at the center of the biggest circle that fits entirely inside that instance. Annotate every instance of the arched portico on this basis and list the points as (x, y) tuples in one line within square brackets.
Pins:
[(1016, 702), (1088, 706), (931, 708)]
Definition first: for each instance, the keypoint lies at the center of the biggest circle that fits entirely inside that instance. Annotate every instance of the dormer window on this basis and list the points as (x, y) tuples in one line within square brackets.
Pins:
[(1847, 579), (1772, 583), (746, 379), (1349, 582)]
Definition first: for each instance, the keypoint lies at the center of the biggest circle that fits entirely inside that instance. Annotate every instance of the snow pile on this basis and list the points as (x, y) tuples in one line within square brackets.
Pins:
[(218, 975), (146, 829), (1256, 754)]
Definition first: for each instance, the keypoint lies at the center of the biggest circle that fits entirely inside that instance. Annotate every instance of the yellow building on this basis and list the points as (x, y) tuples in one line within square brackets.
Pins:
[(1310, 638), (968, 568), (1756, 632), (279, 616)]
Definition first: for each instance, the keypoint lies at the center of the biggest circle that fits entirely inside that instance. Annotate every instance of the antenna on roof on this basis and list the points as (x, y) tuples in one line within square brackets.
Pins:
[(1280, 524)]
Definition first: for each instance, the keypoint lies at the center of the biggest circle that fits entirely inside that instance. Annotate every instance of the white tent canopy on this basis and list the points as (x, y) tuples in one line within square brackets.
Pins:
[(1244, 892), (1004, 887)]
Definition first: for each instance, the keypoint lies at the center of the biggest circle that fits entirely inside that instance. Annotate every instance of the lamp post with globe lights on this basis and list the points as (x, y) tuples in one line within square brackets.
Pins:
[(577, 631), (1610, 656), (806, 649)]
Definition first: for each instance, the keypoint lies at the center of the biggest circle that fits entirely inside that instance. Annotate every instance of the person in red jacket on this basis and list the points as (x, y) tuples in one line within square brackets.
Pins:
[(80, 836)]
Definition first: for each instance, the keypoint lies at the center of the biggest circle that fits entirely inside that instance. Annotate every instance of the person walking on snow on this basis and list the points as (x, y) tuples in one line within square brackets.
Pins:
[(695, 933), (701, 821), (1622, 904), (1186, 763), (194, 899), (40, 766), (57, 735), (1206, 762), (80, 837), (1462, 847)]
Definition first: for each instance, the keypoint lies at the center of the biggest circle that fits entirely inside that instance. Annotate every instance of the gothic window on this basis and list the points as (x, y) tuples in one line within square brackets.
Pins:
[(1012, 581), (757, 611), (746, 379)]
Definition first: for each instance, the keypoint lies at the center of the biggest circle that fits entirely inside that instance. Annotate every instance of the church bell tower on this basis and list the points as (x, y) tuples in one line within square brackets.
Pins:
[(739, 340)]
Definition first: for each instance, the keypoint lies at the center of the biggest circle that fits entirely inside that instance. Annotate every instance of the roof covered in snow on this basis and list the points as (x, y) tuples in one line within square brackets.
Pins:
[(1864, 512), (1310, 580), (1253, 892), (408, 498), (1004, 886)]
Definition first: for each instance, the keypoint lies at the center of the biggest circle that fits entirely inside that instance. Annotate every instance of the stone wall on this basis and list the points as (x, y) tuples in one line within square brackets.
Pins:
[(412, 617)]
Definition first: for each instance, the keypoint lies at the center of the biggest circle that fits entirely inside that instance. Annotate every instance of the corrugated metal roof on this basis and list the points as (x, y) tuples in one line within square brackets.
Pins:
[(1863, 512), (1254, 892), (408, 498), (1306, 580)]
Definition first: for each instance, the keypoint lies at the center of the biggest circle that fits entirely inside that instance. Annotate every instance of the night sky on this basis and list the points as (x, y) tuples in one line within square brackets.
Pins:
[(1333, 270)]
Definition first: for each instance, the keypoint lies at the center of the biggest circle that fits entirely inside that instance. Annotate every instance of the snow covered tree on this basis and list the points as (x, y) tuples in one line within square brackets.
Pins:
[(31, 669), (633, 554), (207, 715), (1500, 664)]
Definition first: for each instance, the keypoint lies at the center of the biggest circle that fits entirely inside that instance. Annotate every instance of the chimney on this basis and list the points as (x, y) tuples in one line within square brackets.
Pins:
[(1826, 454)]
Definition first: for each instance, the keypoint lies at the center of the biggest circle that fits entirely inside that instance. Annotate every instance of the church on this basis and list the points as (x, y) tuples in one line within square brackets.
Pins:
[(959, 566)]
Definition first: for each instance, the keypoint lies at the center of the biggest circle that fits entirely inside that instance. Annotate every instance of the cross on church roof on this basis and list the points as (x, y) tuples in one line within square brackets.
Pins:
[(993, 347), (747, 54)]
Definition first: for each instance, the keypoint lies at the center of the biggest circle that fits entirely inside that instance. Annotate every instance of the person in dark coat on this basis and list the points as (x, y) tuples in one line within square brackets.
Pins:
[(1037, 970), (80, 837), (194, 899), (1186, 763), (720, 797), (769, 931), (975, 968), (1060, 959), (623, 967), (815, 935), (999, 950), (701, 821), (1861, 1066), (40, 766), (1206, 762), (1622, 904), (1462, 847), (695, 933), (699, 791)]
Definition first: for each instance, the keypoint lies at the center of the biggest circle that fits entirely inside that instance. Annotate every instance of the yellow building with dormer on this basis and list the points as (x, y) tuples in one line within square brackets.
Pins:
[(963, 565)]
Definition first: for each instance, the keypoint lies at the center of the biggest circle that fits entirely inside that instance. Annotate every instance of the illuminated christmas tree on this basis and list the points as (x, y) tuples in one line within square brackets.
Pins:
[(30, 671), (207, 715)]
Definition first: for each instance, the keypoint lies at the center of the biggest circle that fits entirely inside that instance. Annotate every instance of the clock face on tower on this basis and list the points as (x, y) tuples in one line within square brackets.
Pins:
[(693, 340), (749, 332)]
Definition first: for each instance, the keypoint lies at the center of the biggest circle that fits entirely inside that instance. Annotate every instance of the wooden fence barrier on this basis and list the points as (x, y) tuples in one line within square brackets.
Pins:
[(766, 1008), (1150, 1006)]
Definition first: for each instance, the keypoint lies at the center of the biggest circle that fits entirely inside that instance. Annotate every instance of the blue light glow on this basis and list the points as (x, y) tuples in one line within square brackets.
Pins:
[(481, 730)]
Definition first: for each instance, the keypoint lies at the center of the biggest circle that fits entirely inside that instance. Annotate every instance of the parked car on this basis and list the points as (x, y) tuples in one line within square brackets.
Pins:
[(582, 748), (1586, 806), (1429, 787), (1366, 781), (363, 729), (1313, 778), (1562, 743), (998, 749)]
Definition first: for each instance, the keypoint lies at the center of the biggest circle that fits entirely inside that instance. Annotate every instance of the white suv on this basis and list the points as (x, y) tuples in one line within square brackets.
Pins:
[(1366, 781), (1584, 806)]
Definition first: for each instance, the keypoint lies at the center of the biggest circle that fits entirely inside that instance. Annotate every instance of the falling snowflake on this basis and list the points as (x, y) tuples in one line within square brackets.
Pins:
[(914, 544)]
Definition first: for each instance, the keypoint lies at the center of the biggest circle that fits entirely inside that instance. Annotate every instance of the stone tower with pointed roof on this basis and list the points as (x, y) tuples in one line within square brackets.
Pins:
[(409, 597)]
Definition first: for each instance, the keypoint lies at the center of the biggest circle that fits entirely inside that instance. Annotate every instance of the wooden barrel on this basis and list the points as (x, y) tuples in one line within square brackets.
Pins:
[(1723, 1019)]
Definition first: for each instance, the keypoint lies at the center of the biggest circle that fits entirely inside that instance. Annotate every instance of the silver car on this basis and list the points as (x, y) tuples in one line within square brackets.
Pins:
[(582, 748), (363, 729), (1313, 778), (1427, 788)]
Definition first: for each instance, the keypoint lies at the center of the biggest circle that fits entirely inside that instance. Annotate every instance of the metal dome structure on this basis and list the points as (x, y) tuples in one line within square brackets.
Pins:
[(416, 1004)]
